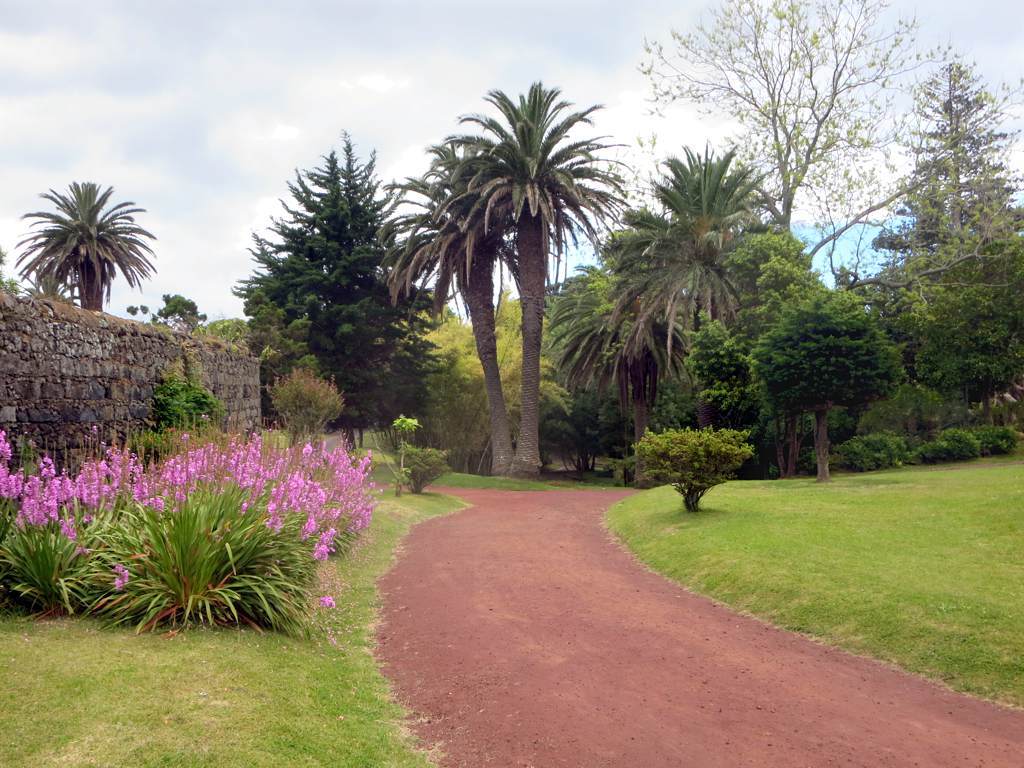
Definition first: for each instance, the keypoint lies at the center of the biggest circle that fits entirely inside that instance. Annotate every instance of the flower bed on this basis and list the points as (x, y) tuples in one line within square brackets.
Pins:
[(219, 533)]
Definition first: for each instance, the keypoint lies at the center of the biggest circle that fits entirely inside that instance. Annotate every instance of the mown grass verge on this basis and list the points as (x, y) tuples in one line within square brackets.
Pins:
[(75, 694), (920, 567)]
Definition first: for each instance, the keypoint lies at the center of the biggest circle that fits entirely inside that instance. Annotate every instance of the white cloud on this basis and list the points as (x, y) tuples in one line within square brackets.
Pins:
[(203, 116)]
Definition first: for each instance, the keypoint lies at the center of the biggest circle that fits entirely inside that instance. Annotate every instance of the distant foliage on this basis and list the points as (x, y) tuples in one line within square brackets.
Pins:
[(996, 440), (306, 403), (866, 453), (913, 410), (423, 466), (951, 445), (694, 460), (180, 403)]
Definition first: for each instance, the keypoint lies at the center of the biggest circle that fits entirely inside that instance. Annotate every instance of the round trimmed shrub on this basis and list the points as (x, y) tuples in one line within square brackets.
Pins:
[(305, 402), (423, 466), (693, 460)]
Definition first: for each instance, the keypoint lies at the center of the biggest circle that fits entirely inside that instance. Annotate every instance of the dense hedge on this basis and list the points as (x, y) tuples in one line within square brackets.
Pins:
[(866, 453)]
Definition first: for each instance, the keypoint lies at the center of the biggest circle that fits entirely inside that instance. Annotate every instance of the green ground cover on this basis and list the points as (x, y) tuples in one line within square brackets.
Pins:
[(75, 694), (921, 567)]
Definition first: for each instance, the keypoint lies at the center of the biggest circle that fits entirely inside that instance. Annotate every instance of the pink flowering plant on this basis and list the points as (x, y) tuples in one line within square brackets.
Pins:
[(218, 533)]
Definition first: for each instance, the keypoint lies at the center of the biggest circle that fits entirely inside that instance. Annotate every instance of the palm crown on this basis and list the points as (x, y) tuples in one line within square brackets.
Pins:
[(672, 260), (524, 162), (85, 243)]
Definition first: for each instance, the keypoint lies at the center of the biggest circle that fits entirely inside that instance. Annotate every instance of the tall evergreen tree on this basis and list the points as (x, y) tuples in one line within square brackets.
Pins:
[(963, 190), (319, 283)]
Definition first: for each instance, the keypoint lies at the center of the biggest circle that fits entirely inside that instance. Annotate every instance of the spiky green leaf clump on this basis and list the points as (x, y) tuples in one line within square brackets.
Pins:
[(207, 562), (42, 568)]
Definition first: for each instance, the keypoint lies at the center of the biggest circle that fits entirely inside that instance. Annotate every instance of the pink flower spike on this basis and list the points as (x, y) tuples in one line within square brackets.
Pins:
[(327, 601)]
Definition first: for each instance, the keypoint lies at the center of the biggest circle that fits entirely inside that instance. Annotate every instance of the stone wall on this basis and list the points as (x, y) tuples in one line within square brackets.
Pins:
[(64, 370)]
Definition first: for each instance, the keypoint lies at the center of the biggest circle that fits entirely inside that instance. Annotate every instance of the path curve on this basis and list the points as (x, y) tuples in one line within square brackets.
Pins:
[(520, 634)]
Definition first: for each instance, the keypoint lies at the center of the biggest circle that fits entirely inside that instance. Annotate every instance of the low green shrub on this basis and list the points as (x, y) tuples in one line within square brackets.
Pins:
[(952, 445), (996, 440), (208, 562), (866, 453), (305, 402), (423, 466), (693, 460), (179, 403)]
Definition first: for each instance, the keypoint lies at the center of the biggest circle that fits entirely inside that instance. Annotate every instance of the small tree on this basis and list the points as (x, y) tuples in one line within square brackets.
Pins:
[(423, 466), (404, 427), (694, 460), (825, 352), (305, 402)]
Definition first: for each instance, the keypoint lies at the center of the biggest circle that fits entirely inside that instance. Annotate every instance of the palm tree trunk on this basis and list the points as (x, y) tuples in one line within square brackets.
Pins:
[(480, 303), (533, 262), (90, 289), (641, 417)]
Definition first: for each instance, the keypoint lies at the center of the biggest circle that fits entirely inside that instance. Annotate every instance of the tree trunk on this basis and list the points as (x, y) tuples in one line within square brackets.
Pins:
[(986, 405), (788, 462), (821, 444), (641, 416), (533, 262), (707, 413), (90, 289), (480, 303)]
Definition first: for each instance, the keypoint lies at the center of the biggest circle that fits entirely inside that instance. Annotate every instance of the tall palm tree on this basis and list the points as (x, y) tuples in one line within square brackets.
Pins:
[(437, 239), (673, 260), (596, 346), (525, 171), (85, 243)]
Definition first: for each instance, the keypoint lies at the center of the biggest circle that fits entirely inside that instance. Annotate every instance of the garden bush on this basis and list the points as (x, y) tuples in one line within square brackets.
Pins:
[(180, 403), (45, 570), (306, 403), (215, 534), (866, 453), (693, 460), (952, 445), (423, 466), (996, 440), (210, 562)]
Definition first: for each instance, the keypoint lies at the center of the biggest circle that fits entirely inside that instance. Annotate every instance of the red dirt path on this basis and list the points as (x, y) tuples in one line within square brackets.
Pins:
[(520, 634)]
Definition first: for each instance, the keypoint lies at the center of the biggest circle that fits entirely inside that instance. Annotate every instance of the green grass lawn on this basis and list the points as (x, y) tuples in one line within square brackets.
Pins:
[(920, 567), (75, 694)]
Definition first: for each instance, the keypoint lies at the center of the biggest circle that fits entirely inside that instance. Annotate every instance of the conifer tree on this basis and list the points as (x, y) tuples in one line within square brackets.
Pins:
[(319, 287)]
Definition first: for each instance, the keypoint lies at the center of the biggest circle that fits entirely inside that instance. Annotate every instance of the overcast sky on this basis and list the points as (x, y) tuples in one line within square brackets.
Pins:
[(200, 111)]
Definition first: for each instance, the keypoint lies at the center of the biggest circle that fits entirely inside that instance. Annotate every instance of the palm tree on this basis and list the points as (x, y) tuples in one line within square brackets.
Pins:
[(85, 243), (673, 260), (596, 346), (438, 239), (524, 171), (47, 287)]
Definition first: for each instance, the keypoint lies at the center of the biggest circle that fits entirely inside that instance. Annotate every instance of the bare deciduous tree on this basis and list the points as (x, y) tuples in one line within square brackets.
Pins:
[(815, 90)]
